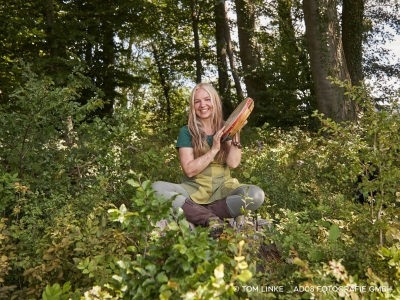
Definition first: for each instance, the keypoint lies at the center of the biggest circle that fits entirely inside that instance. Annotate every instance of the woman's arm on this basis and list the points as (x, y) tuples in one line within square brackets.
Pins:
[(192, 166), (235, 153)]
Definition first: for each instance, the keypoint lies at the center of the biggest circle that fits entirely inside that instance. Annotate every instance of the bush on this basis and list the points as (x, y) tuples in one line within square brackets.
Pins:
[(64, 190)]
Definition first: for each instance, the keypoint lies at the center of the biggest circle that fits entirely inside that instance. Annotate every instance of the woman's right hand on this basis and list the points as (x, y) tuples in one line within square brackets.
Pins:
[(193, 166), (217, 139)]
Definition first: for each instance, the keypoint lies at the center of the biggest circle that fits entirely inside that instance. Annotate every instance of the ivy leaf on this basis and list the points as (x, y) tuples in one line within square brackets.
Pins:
[(161, 277), (334, 232)]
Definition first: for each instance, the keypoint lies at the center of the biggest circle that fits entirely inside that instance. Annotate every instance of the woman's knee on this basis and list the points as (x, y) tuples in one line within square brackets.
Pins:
[(252, 191), (254, 194), (158, 186), (257, 197)]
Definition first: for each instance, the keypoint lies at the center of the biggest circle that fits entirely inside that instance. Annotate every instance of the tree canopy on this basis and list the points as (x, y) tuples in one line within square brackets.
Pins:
[(282, 54)]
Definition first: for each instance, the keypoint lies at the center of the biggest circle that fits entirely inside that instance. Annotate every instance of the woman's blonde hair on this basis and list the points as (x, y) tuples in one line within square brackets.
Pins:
[(199, 137)]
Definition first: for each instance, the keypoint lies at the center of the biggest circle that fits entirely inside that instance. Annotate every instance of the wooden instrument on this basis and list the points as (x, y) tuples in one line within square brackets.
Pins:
[(238, 118)]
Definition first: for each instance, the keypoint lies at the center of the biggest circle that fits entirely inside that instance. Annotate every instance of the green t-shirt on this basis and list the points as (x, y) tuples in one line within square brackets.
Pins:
[(213, 183), (185, 138)]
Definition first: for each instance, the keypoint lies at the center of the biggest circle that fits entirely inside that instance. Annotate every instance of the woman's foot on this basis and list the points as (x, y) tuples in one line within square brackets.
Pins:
[(216, 226)]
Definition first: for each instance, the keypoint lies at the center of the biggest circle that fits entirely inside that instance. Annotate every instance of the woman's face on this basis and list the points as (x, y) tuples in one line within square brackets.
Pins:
[(202, 104)]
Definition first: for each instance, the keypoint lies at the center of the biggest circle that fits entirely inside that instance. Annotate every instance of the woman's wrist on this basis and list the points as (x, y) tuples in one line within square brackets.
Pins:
[(237, 144), (213, 152), (236, 140)]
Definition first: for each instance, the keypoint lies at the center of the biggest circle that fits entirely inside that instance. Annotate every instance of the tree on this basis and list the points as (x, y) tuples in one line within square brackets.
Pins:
[(196, 12), (349, 53), (378, 65), (246, 23), (22, 38), (225, 52), (221, 48), (161, 55), (56, 36), (138, 49), (352, 37), (327, 59), (288, 76)]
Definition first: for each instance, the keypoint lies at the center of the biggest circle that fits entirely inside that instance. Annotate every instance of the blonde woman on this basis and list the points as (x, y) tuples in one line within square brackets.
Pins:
[(208, 194)]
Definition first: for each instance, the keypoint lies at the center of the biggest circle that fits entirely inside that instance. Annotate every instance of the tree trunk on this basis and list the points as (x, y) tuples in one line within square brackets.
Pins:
[(222, 65), (327, 59), (163, 81), (352, 31), (107, 76), (49, 11), (229, 49), (288, 62), (195, 26), (287, 34), (223, 77), (248, 56)]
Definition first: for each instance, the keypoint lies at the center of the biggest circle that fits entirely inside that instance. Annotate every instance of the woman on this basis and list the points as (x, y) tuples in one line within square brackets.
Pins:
[(208, 193)]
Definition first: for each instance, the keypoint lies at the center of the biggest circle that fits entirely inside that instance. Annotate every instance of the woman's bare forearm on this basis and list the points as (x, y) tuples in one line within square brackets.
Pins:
[(234, 156), (192, 166)]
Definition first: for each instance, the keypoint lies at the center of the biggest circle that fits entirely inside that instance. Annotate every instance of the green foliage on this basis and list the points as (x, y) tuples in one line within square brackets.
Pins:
[(79, 222), (35, 118), (312, 184), (83, 252), (8, 252), (8, 185), (62, 167), (168, 269), (56, 292)]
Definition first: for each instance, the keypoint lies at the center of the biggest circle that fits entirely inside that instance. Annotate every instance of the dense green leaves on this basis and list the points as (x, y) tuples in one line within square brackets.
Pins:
[(147, 54), (90, 221), (88, 120)]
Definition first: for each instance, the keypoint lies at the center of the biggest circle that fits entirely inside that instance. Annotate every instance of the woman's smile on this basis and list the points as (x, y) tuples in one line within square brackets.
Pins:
[(202, 104)]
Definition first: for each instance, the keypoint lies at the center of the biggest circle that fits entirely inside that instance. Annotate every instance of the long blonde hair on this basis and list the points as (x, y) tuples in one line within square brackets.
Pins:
[(199, 137)]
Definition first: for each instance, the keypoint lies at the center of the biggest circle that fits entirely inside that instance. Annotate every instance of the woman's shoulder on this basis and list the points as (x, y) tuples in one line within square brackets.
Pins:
[(184, 130), (184, 137)]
